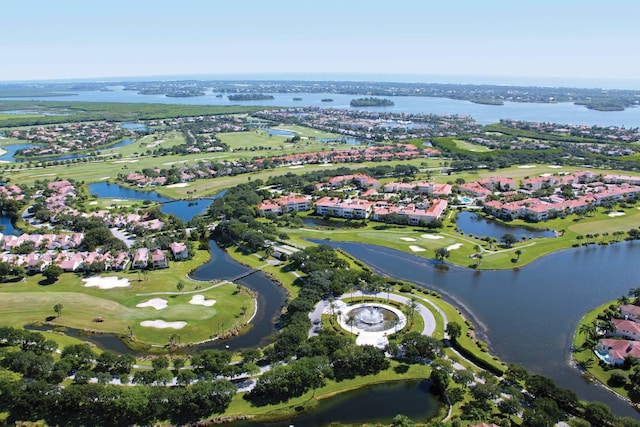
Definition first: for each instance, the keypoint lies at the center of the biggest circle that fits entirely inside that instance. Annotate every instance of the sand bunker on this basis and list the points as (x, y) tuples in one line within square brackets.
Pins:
[(408, 239), (161, 324), (416, 248), (431, 236), (178, 185), (93, 203), (126, 161), (454, 246), (296, 167), (327, 164), (555, 166), (157, 303), (200, 300), (526, 166), (106, 282), (613, 214)]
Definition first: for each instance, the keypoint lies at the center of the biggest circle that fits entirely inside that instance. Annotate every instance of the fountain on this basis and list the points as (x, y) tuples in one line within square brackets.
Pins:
[(373, 318), (369, 315)]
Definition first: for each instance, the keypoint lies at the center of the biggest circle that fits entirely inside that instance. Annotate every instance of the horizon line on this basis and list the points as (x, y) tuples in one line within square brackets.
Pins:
[(491, 80)]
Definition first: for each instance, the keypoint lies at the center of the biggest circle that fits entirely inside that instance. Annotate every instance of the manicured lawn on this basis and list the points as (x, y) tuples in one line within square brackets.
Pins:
[(465, 145)]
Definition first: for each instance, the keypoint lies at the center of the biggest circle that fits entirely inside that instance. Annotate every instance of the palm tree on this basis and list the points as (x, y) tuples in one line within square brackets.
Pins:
[(518, 253), (180, 286), (411, 306), (479, 257), (351, 321), (634, 292), (624, 300), (589, 330), (387, 287)]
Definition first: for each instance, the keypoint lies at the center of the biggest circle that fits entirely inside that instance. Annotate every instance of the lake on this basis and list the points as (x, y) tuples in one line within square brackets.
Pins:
[(527, 315), (557, 113), (12, 149), (473, 224)]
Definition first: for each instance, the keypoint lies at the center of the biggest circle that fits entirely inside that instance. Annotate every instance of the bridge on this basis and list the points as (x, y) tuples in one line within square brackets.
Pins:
[(243, 275)]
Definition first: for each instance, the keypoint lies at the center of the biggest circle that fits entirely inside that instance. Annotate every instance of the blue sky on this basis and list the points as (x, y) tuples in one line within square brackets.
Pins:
[(497, 41)]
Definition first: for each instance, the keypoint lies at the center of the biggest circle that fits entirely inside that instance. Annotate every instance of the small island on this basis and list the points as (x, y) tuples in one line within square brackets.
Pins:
[(371, 102), (249, 97), (184, 93), (326, 100)]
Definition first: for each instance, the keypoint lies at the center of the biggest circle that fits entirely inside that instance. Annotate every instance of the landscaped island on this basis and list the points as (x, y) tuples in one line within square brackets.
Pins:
[(371, 102), (249, 97)]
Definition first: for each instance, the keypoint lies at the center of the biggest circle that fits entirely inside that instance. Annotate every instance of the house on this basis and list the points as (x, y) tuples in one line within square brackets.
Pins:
[(159, 259), (626, 329), (630, 312), (614, 352), (351, 208), (179, 250), (141, 258)]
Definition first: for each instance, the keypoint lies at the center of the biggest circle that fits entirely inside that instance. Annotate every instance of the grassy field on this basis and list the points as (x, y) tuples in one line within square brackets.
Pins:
[(465, 145), (32, 301)]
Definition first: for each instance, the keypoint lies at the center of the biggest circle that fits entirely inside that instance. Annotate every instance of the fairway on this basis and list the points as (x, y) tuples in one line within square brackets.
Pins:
[(31, 302)]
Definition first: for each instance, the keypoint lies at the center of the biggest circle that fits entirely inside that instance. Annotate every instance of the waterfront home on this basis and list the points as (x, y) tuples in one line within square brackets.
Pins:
[(630, 312), (350, 208), (614, 352), (414, 214), (626, 329), (179, 250)]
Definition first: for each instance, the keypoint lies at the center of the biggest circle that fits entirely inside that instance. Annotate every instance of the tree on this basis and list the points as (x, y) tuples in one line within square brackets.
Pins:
[(509, 239), (410, 308), (402, 421), (454, 330), (180, 286), (58, 309), (518, 252), (441, 254), (510, 406), (351, 321), (516, 374), (53, 272)]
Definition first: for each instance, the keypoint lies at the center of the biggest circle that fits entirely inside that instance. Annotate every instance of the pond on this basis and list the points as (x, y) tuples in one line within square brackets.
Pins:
[(7, 226), (473, 224), (183, 209), (377, 404), (527, 315)]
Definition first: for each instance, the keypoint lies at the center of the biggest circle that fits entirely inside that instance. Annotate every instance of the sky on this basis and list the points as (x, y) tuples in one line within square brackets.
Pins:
[(491, 41)]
